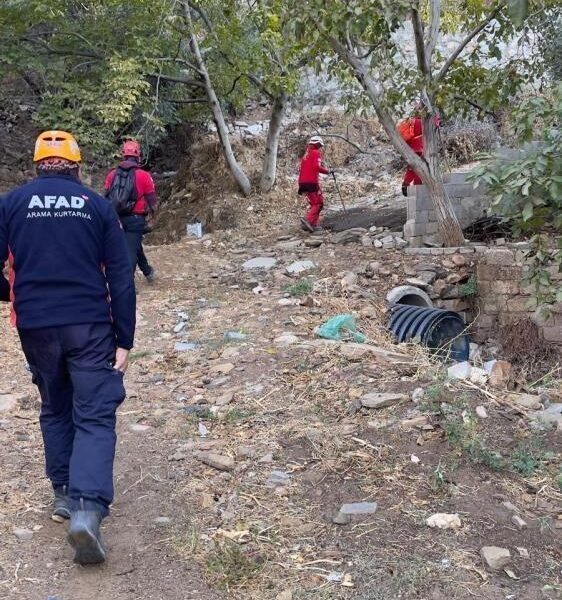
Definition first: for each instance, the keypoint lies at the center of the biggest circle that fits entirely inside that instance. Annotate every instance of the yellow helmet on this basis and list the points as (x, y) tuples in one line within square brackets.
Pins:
[(56, 144)]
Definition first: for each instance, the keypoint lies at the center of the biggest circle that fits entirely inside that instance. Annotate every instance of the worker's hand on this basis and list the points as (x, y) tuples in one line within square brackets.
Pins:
[(121, 360)]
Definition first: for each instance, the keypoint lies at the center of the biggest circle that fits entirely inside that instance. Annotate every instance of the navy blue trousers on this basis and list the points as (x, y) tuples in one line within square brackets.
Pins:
[(80, 392), (133, 226)]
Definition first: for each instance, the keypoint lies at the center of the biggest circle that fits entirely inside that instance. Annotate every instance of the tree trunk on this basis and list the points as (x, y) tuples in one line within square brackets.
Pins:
[(218, 117), (429, 171), (269, 171), (448, 222)]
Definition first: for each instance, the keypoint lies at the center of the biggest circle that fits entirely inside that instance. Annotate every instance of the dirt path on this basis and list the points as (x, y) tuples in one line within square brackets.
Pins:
[(279, 409)]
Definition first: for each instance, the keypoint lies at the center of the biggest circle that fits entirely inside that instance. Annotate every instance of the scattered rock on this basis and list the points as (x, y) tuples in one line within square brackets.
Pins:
[(348, 281), (300, 266), (459, 370), (428, 277), (475, 352), (458, 260), (286, 339), (418, 395), (24, 535), (518, 522), (8, 402), (215, 460), (478, 375), (525, 400), (260, 262), (139, 428), (419, 283), (313, 242), (285, 595), (224, 368), (509, 506), (481, 412), (415, 422), (278, 478), (217, 382), (184, 346), (494, 557), (381, 400), (349, 236), (444, 521), (523, 552), (499, 372), (347, 511), (551, 415), (354, 352), (162, 521)]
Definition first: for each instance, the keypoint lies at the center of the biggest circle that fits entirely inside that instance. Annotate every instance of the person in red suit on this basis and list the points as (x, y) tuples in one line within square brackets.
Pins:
[(411, 130), (309, 182)]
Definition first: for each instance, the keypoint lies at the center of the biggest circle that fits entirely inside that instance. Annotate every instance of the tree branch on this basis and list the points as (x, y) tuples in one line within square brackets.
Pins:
[(417, 25), (433, 32), (445, 68), (57, 52), (172, 79)]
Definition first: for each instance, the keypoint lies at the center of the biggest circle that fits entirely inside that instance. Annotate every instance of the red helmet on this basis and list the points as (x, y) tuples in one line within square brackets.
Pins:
[(131, 148)]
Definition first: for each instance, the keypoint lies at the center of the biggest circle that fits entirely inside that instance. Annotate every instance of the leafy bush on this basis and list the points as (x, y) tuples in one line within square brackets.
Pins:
[(526, 186)]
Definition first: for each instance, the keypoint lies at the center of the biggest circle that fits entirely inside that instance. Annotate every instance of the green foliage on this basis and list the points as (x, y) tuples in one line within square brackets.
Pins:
[(302, 287), (230, 566), (527, 188), (470, 288)]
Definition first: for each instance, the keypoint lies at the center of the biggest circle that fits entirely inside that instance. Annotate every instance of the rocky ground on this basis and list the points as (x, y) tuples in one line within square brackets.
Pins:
[(257, 460)]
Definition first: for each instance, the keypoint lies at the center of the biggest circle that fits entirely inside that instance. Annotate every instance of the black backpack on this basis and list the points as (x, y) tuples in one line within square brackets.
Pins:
[(123, 191)]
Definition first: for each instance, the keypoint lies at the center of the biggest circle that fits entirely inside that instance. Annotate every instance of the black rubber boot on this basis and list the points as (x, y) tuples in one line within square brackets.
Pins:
[(306, 225), (151, 275), (61, 510), (404, 190), (84, 536)]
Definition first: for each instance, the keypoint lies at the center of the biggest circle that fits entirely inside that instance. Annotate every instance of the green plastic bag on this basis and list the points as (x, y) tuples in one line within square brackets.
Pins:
[(341, 327)]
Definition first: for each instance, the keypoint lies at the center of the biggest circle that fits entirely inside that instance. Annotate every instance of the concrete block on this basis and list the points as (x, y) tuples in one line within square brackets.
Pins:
[(418, 251), (509, 288), (437, 251), (459, 190), (521, 304), (553, 334), (415, 229), (456, 177), (416, 242), (499, 256), (422, 216), (411, 208), (431, 227)]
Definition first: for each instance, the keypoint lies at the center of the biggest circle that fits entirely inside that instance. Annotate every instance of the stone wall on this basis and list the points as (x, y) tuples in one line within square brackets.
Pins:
[(469, 204), (502, 297)]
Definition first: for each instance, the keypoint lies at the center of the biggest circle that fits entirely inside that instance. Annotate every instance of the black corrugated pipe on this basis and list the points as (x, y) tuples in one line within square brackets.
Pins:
[(442, 331)]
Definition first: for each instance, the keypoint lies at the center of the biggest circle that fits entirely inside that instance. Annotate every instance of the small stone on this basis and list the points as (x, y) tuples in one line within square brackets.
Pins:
[(419, 283), (215, 460), (348, 280), (266, 458), (551, 415), (184, 346), (162, 521), (494, 557), (224, 368), (458, 260), (224, 400), (381, 400), (177, 456), (415, 422), (8, 402), (347, 511), (499, 372), (475, 352), (300, 266), (217, 382), (313, 242), (525, 400), (260, 262), (481, 412), (24, 535), (418, 395), (139, 428), (444, 521), (349, 235), (509, 506), (278, 478), (354, 352), (523, 552), (285, 595), (478, 376), (460, 370), (428, 277), (518, 522), (286, 339)]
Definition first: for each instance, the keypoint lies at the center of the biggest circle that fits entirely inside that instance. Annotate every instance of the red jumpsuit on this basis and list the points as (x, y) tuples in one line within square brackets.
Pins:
[(416, 144), (309, 182)]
